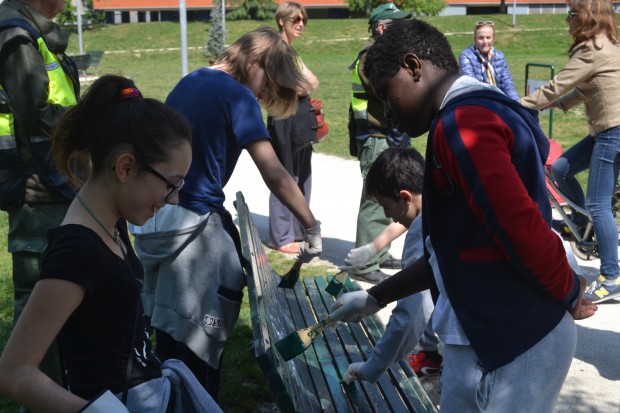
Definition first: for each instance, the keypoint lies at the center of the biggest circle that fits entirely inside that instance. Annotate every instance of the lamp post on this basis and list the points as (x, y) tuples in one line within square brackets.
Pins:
[(183, 24)]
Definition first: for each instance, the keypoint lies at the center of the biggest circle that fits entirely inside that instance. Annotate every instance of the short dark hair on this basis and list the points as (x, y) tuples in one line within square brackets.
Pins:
[(408, 36), (394, 170)]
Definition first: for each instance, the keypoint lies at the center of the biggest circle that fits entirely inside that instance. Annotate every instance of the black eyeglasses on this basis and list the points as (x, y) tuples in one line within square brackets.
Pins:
[(174, 189), (485, 23), (572, 14)]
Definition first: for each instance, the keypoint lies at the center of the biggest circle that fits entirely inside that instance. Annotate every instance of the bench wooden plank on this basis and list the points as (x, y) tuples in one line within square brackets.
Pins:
[(387, 389), (355, 349), (308, 366), (336, 361), (404, 378), (312, 381)]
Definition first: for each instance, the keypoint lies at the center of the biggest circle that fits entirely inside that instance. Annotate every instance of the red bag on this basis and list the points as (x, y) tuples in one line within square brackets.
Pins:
[(322, 128)]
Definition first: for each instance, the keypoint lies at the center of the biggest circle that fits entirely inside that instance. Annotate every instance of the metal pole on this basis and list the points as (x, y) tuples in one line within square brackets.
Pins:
[(224, 18), (183, 24), (79, 25), (514, 13)]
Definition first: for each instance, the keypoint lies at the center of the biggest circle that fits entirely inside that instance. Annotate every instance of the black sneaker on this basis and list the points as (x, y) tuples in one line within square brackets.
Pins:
[(373, 277), (392, 264)]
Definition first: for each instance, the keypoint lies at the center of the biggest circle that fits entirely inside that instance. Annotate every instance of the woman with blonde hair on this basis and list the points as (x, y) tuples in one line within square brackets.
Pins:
[(191, 252), (292, 138), (484, 62), (591, 77)]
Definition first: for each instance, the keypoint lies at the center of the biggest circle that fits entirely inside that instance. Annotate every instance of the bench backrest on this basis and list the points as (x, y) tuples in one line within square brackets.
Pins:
[(82, 61), (95, 57), (312, 381)]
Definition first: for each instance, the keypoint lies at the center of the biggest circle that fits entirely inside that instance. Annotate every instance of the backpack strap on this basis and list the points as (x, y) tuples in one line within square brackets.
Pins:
[(22, 24)]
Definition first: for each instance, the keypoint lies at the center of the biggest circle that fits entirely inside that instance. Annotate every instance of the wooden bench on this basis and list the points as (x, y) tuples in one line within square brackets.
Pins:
[(82, 61), (312, 381), (86, 61)]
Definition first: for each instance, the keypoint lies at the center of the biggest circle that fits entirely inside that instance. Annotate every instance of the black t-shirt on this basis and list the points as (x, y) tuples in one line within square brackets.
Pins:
[(95, 339)]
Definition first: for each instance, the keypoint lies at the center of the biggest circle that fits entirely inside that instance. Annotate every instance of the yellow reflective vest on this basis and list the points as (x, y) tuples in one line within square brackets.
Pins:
[(18, 163)]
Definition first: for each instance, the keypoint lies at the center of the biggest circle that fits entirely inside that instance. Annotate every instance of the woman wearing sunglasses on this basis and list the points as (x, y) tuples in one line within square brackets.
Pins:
[(484, 62), (591, 77), (292, 138)]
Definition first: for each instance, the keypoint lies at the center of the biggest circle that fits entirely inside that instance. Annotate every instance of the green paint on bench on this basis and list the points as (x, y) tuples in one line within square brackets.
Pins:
[(312, 381)]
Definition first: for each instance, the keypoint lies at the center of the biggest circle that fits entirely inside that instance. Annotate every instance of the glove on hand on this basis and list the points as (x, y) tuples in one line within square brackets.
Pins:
[(105, 402), (353, 373), (354, 306), (312, 245), (360, 256)]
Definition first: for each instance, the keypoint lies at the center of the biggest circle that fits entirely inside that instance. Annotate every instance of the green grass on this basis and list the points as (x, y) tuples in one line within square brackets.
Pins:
[(328, 47)]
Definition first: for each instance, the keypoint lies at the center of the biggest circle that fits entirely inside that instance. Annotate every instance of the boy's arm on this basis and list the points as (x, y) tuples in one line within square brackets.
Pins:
[(358, 257), (358, 304), (389, 234)]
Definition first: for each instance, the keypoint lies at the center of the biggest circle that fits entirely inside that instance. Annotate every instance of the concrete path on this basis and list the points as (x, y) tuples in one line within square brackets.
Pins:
[(593, 382)]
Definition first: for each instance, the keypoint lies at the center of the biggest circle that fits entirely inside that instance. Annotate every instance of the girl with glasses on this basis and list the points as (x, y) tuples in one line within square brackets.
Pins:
[(484, 62), (88, 293), (191, 251), (591, 77), (292, 138)]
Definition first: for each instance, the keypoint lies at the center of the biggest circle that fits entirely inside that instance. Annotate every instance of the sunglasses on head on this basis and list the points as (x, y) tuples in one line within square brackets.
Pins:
[(296, 20), (572, 14), (485, 23)]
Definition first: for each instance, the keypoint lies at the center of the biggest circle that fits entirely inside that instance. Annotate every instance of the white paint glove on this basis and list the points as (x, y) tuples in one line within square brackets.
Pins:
[(360, 256), (353, 373), (106, 402), (312, 245), (353, 306)]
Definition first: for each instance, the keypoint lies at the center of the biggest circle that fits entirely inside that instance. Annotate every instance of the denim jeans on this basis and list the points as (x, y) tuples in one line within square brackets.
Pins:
[(599, 154)]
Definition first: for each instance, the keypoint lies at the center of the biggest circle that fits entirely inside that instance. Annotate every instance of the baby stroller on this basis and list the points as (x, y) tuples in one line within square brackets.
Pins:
[(581, 237)]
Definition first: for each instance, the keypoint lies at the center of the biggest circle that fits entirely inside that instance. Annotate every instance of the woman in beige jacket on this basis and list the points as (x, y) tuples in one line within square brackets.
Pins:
[(591, 76)]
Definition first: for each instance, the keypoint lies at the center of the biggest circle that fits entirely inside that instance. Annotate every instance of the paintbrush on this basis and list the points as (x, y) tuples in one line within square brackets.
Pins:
[(289, 279), (297, 342), (337, 283)]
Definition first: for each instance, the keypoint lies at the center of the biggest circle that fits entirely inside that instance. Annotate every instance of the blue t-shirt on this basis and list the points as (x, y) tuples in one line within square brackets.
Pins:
[(225, 116)]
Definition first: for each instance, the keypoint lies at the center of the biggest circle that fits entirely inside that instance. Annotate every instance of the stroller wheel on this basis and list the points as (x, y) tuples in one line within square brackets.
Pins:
[(586, 251)]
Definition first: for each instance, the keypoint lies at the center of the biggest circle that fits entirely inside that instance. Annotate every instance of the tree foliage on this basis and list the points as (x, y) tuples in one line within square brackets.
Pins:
[(357, 8), (217, 33), (424, 7), (89, 15), (252, 10), (69, 16), (363, 8)]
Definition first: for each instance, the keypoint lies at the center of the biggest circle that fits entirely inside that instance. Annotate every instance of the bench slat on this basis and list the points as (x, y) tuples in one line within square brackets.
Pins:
[(403, 378), (339, 360), (307, 365)]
